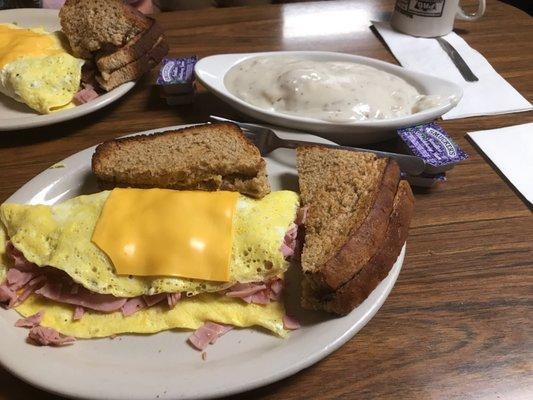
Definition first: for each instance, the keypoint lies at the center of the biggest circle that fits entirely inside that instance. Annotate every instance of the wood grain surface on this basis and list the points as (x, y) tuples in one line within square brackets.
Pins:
[(459, 322)]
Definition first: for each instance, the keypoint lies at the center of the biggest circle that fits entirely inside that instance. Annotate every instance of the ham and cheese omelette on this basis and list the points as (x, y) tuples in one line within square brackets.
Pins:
[(37, 69), (186, 258)]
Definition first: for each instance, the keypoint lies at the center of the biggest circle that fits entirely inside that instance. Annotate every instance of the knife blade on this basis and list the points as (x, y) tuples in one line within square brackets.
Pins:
[(458, 61)]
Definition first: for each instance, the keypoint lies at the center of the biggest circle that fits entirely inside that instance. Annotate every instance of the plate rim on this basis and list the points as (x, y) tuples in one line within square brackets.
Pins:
[(385, 286), (38, 120)]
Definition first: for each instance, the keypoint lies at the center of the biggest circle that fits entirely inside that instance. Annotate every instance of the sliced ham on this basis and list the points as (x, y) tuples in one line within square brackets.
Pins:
[(221, 329), (43, 336), (7, 296), (290, 323), (95, 301), (207, 334), (200, 339), (291, 234), (31, 321), (32, 285), (53, 4), (22, 275), (289, 242), (30, 278), (144, 6), (172, 299), (257, 293), (301, 216), (275, 286), (244, 290), (261, 297), (18, 259), (286, 250), (85, 95), (290, 246), (154, 299), (37, 280), (131, 306), (16, 279), (78, 313)]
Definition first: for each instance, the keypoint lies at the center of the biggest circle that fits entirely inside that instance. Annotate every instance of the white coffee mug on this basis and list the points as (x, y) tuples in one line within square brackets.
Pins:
[(430, 18)]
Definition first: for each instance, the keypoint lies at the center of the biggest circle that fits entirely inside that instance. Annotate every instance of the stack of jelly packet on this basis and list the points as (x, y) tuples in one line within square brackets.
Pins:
[(176, 80), (431, 143)]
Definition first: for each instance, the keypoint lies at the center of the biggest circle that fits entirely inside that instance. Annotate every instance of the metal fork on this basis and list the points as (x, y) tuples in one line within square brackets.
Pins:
[(267, 141)]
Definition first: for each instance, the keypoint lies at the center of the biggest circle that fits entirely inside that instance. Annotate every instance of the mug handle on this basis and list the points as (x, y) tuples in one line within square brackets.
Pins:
[(472, 16)]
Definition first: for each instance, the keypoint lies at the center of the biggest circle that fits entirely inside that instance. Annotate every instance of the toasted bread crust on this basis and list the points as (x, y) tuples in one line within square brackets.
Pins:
[(135, 69), (109, 61), (246, 173), (355, 291), (363, 240), (257, 186)]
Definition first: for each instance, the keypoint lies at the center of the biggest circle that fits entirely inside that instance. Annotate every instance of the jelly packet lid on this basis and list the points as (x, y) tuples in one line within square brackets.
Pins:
[(431, 143), (176, 71)]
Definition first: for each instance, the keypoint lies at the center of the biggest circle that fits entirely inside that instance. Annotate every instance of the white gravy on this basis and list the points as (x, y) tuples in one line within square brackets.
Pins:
[(327, 90)]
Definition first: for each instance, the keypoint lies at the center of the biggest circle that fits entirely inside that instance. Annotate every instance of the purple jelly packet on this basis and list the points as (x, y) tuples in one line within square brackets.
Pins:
[(176, 75), (431, 143)]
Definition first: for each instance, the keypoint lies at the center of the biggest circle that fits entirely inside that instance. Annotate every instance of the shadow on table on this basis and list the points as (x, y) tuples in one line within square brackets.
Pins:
[(14, 389), (268, 391)]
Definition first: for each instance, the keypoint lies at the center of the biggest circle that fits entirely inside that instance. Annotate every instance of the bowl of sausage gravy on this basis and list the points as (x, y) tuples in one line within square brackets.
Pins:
[(343, 97)]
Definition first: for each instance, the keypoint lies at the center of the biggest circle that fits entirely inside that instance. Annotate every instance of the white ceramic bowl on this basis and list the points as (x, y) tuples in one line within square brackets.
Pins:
[(211, 71)]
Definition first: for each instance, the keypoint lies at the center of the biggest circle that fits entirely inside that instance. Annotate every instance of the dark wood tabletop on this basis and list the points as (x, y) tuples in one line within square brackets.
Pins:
[(459, 321)]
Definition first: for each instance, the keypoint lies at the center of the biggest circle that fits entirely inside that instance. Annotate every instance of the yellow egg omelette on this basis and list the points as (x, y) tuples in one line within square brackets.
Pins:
[(68, 237), (37, 69)]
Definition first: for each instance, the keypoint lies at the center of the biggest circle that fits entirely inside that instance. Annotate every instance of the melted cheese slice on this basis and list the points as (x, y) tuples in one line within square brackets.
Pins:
[(18, 43), (162, 232)]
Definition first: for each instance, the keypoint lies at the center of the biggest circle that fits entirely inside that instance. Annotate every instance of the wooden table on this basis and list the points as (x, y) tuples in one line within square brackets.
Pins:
[(459, 322)]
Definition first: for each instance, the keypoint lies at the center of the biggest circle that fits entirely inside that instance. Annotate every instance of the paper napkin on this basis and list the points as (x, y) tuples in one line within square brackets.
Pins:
[(511, 150), (490, 95)]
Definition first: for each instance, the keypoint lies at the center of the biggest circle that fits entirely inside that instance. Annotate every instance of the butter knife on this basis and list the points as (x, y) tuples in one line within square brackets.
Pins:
[(456, 58)]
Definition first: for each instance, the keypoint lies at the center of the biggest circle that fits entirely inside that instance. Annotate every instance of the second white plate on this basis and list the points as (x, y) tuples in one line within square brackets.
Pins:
[(15, 115), (163, 366)]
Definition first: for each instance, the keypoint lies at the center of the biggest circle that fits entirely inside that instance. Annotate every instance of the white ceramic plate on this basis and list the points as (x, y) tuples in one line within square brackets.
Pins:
[(15, 115), (163, 365), (212, 70)]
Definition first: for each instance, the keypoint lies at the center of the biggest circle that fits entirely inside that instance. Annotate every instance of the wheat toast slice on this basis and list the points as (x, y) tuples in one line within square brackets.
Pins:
[(92, 25), (207, 157), (111, 60), (135, 69), (355, 291), (349, 196)]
